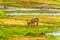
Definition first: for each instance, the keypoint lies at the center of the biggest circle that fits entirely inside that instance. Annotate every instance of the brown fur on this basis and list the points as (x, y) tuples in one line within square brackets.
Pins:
[(33, 21)]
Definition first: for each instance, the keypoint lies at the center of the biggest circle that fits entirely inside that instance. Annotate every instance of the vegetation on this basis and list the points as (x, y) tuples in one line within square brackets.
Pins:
[(11, 28), (32, 11), (29, 4), (10, 31), (2, 13), (16, 31), (16, 28)]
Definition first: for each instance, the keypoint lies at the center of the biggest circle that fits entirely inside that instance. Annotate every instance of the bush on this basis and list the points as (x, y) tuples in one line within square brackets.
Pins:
[(30, 34), (2, 13)]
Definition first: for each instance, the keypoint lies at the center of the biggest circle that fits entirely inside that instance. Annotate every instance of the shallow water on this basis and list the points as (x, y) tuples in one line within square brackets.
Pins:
[(54, 33), (25, 9), (39, 14)]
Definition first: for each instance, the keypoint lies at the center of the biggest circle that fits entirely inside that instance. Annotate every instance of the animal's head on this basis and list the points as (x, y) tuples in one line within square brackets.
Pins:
[(36, 19)]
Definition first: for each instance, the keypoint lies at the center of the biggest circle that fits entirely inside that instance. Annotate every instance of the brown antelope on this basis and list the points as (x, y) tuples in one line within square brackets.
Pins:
[(33, 21)]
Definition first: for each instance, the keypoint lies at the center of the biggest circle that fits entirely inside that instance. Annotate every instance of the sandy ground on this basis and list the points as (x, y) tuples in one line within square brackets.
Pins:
[(18, 22), (27, 38), (23, 20), (13, 22), (32, 38)]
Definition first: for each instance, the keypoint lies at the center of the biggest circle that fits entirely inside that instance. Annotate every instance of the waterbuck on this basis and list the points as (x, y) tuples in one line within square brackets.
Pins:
[(33, 21)]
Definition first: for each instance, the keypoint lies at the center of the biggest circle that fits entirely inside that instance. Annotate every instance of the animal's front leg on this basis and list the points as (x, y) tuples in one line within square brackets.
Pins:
[(36, 23), (32, 24)]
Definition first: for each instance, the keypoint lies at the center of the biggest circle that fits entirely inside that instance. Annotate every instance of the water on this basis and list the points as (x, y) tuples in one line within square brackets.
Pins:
[(25, 9), (54, 33), (36, 14)]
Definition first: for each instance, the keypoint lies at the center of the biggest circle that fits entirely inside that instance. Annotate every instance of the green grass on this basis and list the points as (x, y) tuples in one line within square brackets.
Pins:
[(32, 31), (31, 5), (23, 30)]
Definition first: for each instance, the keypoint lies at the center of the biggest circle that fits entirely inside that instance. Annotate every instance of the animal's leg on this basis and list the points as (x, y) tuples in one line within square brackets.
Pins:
[(36, 23), (28, 24), (32, 24)]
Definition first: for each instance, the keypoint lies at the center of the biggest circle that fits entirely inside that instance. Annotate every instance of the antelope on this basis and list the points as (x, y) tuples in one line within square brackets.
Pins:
[(33, 21)]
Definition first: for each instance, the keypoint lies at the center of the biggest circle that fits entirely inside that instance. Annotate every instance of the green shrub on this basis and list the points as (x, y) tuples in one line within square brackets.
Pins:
[(2, 13), (30, 34)]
